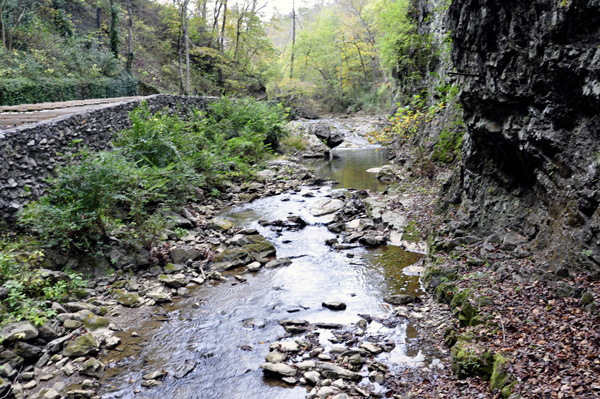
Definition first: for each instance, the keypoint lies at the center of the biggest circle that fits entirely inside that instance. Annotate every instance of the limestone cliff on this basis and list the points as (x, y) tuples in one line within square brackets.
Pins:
[(531, 155)]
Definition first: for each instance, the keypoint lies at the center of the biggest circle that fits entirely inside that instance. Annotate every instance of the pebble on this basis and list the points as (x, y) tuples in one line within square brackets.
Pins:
[(134, 334)]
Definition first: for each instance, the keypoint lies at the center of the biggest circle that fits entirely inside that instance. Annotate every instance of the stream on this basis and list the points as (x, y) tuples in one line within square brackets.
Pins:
[(225, 328)]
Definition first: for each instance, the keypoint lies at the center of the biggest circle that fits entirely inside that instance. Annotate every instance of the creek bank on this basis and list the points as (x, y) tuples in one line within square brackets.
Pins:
[(58, 358), (518, 326), (356, 360)]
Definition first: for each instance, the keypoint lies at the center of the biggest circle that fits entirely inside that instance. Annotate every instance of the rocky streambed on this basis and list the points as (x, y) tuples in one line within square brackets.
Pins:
[(296, 286)]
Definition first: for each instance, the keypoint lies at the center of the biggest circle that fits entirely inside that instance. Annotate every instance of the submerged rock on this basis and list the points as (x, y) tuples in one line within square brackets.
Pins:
[(334, 305)]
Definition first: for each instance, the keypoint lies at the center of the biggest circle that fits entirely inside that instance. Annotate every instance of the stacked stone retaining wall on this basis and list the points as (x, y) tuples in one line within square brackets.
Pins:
[(28, 154)]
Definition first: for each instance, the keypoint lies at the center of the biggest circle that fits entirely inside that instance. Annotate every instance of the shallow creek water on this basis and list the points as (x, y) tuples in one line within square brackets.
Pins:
[(228, 335)]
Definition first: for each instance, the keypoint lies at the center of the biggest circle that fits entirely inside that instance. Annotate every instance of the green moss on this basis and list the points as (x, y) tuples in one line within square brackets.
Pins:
[(444, 292), (93, 322), (459, 298), (499, 378), (468, 315), (469, 360), (507, 390), (119, 284), (103, 311), (411, 233)]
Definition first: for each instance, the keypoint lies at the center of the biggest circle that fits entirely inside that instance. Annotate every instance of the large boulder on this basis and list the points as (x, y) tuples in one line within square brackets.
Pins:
[(324, 132), (22, 330)]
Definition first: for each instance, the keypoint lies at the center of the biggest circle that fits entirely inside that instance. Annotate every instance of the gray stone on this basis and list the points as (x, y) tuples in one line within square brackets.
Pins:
[(254, 266), (401, 299), (278, 263), (46, 393), (22, 330), (312, 376), (81, 346), (334, 305), (80, 394), (326, 206), (174, 281), (332, 371), (92, 368), (151, 383), (285, 346), (279, 369), (275, 357), (371, 348), (182, 255), (157, 375)]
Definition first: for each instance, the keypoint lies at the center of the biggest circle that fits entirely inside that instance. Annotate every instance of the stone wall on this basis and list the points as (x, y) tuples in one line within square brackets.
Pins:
[(530, 159), (28, 154)]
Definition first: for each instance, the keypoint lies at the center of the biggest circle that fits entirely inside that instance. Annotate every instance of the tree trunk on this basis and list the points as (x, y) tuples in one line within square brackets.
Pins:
[(187, 49), (2, 23), (223, 40), (180, 50), (130, 38), (293, 38)]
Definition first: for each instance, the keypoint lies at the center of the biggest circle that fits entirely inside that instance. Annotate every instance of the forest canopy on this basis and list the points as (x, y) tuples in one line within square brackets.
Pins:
[(339, 53)]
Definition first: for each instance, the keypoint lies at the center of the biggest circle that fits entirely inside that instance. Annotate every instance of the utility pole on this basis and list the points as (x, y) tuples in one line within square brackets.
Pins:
[(293, 37)]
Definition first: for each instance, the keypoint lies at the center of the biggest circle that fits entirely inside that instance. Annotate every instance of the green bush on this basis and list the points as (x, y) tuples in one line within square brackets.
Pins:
[(234, 118), (160, 160), (16, 91), (79, 205)]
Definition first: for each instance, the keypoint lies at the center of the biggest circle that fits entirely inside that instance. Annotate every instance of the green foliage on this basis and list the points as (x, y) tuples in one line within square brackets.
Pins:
[(27, 91), (78, 206), (28, 289), (160, 160), (244, 117), (296, 142)]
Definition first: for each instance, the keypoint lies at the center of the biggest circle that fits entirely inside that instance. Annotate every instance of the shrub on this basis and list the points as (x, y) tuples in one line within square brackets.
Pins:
[(81, 200)]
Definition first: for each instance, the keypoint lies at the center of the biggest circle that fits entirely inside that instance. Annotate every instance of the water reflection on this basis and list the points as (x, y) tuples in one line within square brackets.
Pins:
[(349, 167)]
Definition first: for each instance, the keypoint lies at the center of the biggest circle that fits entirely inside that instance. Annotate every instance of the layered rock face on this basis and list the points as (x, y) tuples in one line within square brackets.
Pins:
[(531, 155)]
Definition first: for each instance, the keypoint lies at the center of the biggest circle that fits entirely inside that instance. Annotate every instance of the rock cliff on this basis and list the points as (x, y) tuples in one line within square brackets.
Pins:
[(531, 155)]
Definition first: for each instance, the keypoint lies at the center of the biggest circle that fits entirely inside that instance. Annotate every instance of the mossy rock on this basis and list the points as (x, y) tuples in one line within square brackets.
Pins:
[(132, 300), (119, 284), (444, 292), (450, 336), (484, 301), (103, 311), (240, 256), (220, 224), (459, 298), (411, 233), (80, 346), (469, 315), (499, 378), (506, 392), (170, 268), (469, 360), (93, 322)]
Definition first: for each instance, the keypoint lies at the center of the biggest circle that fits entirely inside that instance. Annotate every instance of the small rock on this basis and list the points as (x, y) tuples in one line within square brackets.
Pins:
[(92, 368), (371, 348), (289, 380), (151, 383), (275, 357), (157, 375), (254, 266), (334, 305), (278, 263), (312, 376)]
